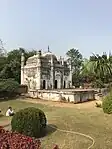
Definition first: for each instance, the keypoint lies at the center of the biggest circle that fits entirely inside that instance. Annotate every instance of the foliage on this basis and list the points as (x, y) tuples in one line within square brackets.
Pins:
[(75, 57), (30, 121), (12, 140), (29, 54), (12, 68), (101, 65), (107, 104), (11, 65), (87, 68), (98, 83), (2, 62), (98, 70), (8, 87)]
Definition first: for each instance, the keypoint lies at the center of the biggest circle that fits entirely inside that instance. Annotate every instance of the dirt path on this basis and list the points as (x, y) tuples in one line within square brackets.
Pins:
[(5, 123), (84, 105)]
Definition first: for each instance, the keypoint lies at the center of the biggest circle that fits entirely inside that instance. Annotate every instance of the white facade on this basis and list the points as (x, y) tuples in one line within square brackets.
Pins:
[(44, 71)]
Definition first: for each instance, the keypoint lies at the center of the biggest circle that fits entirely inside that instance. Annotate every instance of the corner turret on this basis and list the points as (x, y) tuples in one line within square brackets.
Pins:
[(22, 60), (22, 68)]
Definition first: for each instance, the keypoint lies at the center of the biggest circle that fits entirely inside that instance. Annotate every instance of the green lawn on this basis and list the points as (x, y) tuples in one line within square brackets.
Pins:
[(91, 121)]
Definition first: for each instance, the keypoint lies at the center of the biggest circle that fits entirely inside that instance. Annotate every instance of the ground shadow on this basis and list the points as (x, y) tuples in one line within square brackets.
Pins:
[(49, 130), (6, 125), (8, 99), (87, 101), (1, 115)]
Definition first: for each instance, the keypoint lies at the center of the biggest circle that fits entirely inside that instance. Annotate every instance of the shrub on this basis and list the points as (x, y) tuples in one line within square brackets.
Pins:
[(98, 105), (30, 121), (12, 140), (98, 84), (8, 88), (107, 104)]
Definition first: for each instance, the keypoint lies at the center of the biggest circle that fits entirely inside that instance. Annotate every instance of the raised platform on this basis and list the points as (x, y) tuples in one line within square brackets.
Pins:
[(68, 95)]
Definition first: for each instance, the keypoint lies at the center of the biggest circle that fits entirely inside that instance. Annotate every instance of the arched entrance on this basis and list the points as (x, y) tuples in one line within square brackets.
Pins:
[(44, 84), (64, 84), (55, 84)]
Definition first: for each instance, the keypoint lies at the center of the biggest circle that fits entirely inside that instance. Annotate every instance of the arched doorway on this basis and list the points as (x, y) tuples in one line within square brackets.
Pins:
[(55, 84), (44, 84), (64, 84)]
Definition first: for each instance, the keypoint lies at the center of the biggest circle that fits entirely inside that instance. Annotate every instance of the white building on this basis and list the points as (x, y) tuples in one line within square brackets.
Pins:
[(45, 71)]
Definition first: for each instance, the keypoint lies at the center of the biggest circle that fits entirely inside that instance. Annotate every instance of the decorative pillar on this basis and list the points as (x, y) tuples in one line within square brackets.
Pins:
[(63, 61), (22, 68), (70, 66), (38, 78), (62, 82), (52, 73), (46, 86)]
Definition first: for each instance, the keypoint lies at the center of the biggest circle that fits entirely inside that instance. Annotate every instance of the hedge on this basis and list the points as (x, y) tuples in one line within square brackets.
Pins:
[(30, 121), (8, 88), (107, 104)]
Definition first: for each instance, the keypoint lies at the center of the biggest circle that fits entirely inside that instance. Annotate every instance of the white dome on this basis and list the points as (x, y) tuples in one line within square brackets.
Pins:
[(48, 55)]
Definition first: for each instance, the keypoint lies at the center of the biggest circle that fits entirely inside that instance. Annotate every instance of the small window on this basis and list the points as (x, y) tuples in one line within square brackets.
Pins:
[(55, 85), (64, 84), (44, 84)]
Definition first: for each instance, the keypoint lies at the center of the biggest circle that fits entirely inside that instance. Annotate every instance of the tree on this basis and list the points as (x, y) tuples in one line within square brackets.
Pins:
[(8, 88), (87, 73), (102, 67), (75, 57), (98, 69), (76, 60), (29, 54), (3, 62), (12, 66)]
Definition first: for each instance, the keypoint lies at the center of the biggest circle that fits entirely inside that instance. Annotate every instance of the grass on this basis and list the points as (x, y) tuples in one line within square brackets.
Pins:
[(91, 121)]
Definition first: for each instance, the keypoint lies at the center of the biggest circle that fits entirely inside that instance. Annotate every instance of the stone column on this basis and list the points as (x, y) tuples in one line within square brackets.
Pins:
[(22, 68), (60, 80), (46, 84), (38, 78), (52, 72), (70, 66), (62, 86)]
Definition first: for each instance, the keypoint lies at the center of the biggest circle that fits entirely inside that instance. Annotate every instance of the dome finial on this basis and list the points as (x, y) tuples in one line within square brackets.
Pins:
[(48, 48)]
